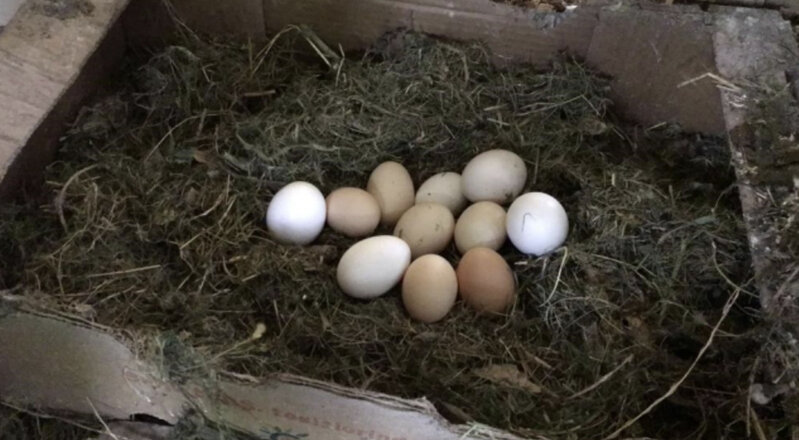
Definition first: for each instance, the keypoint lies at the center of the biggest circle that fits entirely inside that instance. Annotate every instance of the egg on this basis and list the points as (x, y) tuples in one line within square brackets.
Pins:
[(427, 228), (352, 212), (443, 188), (537, 224), (495, 176), (392, 187), (480, 225), (296, 214), (371, 267), (429, 288), (485, 281)]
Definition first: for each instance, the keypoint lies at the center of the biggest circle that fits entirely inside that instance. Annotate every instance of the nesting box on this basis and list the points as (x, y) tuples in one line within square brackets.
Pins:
[(667, 64)]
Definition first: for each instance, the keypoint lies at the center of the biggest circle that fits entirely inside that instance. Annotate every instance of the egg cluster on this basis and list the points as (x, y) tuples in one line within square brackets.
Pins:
[(424, 224)]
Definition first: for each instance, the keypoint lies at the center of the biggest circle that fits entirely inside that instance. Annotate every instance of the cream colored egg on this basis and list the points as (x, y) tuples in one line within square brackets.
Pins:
[(429, 288), (427, 228), (495, 176), (443, 188), (352, 212), (392, 187), (480, 225), (371, 267)]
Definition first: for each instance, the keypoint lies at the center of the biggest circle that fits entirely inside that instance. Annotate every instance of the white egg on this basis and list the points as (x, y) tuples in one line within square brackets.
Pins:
[(296, 214), (371, 267), (495, 176), (537, 224), (445, 189)]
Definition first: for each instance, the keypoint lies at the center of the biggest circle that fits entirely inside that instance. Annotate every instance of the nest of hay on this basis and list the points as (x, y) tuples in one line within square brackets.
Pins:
[(155, 224)]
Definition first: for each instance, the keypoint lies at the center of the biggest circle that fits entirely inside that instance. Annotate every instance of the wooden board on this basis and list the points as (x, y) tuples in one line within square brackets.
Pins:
[(43, 80), (756, 53), (7, 10)]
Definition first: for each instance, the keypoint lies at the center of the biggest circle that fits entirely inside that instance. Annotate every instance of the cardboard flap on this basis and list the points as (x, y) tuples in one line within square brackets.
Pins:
[(306, 408), (59, 365), (54, 364), (649, 55)]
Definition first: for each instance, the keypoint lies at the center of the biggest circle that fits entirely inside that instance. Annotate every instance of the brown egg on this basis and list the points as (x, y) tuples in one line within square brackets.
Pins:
[(352, 212), (392, 187), (429, 288), (486, 281), (427, 228)]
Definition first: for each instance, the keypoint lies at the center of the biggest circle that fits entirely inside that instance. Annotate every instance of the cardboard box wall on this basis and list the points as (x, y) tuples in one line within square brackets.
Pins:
[(62, 365), (666, 64)]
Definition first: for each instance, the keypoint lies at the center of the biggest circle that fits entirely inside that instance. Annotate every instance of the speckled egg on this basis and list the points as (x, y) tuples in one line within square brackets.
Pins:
[(495, 176), (443, 188), (427, 228)]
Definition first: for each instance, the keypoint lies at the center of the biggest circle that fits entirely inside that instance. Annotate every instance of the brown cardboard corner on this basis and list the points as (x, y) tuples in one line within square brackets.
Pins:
[(147, 23), (652, 57), (305, 407), (241, 18)]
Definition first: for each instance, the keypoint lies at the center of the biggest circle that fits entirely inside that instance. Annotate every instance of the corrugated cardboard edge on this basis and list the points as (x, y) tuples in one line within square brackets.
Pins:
[(57, 364)]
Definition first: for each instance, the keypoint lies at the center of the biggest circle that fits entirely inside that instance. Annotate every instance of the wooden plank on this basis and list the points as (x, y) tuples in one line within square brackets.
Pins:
[(23, 175), (43, 55), (58, 47), (7, 10), (754, 52), (8, 150), (17, 79), (19, 118)]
